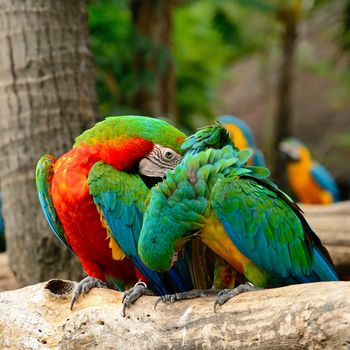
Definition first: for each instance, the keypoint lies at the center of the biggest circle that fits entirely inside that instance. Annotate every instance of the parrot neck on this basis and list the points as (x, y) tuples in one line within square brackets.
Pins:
[(297, 169)]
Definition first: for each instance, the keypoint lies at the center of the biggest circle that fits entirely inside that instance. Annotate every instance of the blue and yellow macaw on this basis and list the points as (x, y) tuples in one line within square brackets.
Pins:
[(242, 137), (310, 181), (248, 221)]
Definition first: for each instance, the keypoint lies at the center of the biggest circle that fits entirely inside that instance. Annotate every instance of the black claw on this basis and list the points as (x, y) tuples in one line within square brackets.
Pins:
[(134, 293), (166, 299), (227, 294), (84, 286), (215, 305), (72, 302), (157, 302)]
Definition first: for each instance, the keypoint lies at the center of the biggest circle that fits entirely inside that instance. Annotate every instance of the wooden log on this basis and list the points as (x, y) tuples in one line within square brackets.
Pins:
[(308, 316)]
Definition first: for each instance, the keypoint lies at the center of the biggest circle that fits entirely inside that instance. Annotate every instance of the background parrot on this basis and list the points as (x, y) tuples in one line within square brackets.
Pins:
[(246, 220), (310, 181), (242, 137), (93, 199)]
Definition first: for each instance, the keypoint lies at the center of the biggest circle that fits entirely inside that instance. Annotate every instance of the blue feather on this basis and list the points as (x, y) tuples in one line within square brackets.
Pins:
[(325, 180)]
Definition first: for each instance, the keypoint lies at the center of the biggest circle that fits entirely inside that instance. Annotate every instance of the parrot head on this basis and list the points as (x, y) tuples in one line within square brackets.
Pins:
[(293, 150), (136, 144), (158, 161), (174, 215)]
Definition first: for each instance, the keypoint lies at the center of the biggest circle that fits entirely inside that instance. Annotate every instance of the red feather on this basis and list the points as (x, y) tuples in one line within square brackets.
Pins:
[(77, 211)]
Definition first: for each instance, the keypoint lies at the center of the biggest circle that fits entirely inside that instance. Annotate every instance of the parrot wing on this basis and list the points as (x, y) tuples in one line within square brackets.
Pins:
[(324, 179), (269, 229), (43, 175), (120, 198)]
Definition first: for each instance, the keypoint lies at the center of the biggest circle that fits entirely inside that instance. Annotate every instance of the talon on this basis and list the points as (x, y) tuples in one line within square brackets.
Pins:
[(72, 302), (165, 299), (157, 302), (125, 305), (227, 294), (215, 305), (84, 286), (134, 293)]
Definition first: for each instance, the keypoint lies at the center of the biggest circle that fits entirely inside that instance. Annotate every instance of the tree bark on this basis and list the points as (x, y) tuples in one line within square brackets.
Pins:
[(308, 316), (154, 66), (289, 19), (47, 97)]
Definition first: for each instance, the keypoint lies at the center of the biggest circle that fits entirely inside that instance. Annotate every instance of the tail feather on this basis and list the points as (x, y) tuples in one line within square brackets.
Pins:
[(322, 268)]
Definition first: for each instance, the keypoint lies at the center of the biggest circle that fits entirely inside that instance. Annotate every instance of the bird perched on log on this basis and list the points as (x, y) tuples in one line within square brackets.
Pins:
[(248, 221), (242, 137), (93, 198), (310, 182)]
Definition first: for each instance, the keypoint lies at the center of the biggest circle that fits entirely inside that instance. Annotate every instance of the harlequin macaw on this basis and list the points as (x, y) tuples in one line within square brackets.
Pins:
[(93, 198), (242, 137), (246, 220), (2, 230), (310, 181)]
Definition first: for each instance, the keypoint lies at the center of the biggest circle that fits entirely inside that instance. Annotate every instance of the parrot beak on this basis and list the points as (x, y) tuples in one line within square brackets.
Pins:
[(151, 181)]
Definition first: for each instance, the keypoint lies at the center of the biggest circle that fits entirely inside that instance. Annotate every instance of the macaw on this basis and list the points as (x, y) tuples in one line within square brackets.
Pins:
[(2, 230), (93, 198), (245, 219), (310, 182), (242, 137)]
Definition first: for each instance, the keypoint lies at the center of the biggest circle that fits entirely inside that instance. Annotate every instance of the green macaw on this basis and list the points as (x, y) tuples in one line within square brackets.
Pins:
[(245, 219)]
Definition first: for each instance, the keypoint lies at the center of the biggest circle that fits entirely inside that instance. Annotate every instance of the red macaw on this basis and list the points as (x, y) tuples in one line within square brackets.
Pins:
[(93, 197)]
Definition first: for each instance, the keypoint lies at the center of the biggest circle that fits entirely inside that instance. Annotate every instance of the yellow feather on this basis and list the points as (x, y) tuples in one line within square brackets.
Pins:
[(216, 238), (117, 253)]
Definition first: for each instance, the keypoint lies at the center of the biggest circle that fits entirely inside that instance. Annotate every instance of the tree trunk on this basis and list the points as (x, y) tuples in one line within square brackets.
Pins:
[(47, 97), (306, 316), (154, 69), (289, 21)]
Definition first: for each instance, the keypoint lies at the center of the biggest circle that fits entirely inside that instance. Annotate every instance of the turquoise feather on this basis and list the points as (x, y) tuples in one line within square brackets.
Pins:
[(44, 171)]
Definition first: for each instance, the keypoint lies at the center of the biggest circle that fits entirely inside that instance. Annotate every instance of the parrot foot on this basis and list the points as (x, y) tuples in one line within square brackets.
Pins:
[(227, 294), (191, 294), (134, 293), (84, 286)]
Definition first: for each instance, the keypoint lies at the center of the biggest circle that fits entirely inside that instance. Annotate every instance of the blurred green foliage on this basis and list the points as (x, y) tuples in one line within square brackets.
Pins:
[(207, 36), (111, 40)]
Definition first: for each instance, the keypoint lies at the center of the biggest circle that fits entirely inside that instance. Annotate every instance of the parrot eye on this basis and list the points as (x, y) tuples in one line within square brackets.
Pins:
[(168, 154), (159, 161)]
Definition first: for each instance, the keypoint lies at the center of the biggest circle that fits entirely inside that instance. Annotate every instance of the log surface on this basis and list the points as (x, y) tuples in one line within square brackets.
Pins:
[(309, 316)]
